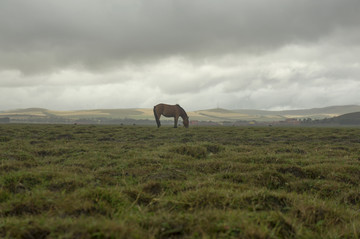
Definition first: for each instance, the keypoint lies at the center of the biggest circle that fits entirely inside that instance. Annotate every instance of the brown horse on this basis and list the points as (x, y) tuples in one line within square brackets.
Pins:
[(170, 111)]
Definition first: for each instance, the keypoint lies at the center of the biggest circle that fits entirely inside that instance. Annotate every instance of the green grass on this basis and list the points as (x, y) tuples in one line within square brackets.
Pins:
[(81, 181)]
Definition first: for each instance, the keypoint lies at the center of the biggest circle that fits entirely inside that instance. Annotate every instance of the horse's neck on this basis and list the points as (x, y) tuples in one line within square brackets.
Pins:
[(183, 115)]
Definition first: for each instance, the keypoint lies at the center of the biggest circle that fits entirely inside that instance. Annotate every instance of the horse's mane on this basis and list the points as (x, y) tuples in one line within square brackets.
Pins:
[(183, 111)]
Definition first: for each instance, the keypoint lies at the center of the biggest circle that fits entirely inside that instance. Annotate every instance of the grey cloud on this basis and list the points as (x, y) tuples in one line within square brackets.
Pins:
[(200, 54), (41, 35)]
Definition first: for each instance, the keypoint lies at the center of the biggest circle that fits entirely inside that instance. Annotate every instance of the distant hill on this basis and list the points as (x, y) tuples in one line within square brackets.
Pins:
[(266, 115), (215, 115), (77, 114), (346, 119), (314, 113)]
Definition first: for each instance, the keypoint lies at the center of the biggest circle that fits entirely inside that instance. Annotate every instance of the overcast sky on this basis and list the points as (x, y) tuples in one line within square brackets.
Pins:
[(234, 54)]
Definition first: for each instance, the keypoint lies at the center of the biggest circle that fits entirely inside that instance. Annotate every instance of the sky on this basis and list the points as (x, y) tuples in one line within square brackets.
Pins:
[(201, 54)]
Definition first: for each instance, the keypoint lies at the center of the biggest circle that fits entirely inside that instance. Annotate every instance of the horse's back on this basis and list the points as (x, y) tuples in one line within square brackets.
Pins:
[(159, 107), (167, 110)]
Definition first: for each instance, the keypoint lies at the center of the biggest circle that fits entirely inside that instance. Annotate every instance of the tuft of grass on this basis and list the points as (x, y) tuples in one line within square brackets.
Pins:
[(198, 152)]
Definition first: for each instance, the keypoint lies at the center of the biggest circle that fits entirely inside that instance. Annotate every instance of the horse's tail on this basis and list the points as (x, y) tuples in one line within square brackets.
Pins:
[(156, 117)]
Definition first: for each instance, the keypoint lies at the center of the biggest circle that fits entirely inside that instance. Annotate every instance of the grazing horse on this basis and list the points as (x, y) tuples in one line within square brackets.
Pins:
[(170, 111)]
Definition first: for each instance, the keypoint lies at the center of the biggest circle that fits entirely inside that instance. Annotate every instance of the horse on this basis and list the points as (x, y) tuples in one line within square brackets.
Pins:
[(175, 111)]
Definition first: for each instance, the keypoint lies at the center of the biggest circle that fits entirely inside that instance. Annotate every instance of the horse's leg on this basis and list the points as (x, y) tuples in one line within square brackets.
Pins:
[(176, 121)]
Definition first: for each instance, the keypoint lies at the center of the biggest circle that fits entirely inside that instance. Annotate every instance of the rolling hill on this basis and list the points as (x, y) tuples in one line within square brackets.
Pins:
[(345, 119), (215, 115)]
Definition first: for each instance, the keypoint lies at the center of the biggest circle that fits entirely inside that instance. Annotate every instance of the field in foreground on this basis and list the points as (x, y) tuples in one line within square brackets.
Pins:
[(77, 181)]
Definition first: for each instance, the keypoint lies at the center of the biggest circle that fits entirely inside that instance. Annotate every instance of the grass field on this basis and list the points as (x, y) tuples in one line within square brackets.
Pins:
[(83, 181)]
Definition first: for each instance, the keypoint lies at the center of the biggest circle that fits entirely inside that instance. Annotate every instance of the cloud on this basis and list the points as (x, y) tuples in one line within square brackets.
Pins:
[(44, 35), (202, 54), (299, 77)]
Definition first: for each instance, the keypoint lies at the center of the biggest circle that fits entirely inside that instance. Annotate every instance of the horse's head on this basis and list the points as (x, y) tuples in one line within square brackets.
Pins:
[(186, 122)]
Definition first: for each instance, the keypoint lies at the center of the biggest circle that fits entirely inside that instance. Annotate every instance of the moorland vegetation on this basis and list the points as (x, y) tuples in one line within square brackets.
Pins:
[(86, 181)]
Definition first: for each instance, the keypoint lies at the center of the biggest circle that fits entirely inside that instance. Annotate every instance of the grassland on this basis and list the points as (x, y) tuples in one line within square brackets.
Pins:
[(83, 181)]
